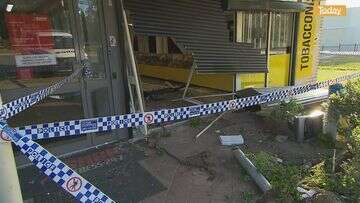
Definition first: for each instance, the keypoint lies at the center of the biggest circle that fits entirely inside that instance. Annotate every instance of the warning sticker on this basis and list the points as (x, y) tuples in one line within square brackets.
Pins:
[(73, 184), (4, 137), (232, 105), (3, 112), (149, 118)]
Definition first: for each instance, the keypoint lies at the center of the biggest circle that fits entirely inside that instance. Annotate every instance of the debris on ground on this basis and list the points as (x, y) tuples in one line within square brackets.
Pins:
[(231, 140), (199, 161), (217, 171), (306, 194), (281, 138)]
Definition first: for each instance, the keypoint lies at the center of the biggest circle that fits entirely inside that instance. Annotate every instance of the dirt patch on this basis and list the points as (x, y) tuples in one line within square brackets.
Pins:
[(208, 158)]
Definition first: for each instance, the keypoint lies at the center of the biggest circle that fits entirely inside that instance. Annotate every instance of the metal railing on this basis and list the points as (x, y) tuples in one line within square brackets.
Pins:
[(341, 47)]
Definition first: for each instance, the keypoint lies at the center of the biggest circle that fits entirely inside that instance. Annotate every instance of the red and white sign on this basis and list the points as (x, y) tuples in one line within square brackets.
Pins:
[(28, 42), (73, 184), (25, 32), (232, 105), (149, 118), (4, 137)]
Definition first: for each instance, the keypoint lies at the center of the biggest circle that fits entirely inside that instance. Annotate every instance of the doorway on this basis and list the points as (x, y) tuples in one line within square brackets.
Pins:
[(68, 34)]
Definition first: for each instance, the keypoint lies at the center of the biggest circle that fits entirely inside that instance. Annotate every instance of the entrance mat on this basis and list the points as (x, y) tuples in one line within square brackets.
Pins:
[(114, 169)]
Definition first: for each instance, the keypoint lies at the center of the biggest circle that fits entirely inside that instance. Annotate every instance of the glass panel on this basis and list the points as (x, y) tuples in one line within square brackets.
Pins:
[(282, 24), (92, 37), (98, 87), (37, 50), (253, 26)]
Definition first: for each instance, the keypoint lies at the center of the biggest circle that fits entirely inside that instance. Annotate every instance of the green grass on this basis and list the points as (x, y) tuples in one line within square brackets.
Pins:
[(283, 178), (338, 66)]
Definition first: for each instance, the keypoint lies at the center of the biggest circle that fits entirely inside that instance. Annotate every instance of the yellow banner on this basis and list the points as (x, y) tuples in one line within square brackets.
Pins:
[(332, 10), (307, 41)]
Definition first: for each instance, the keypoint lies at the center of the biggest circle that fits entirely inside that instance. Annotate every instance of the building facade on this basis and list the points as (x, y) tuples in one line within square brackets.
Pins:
[(226, 45)]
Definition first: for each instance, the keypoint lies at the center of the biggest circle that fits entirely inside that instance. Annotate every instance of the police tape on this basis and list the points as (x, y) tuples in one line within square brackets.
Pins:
[(79, 187), (55, 169), (14, 107), (108, 123)]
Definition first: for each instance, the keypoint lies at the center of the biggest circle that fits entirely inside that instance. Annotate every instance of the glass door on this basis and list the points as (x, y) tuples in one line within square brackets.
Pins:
[(46, 40), (100, 48)]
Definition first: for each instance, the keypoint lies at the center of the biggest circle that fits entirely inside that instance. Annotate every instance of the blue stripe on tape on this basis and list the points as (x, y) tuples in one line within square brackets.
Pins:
[(56, 170), (14, 107), (102, 124)]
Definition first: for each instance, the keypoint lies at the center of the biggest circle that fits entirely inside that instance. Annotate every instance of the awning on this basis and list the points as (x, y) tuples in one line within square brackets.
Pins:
[(266, 5), (200, 27)]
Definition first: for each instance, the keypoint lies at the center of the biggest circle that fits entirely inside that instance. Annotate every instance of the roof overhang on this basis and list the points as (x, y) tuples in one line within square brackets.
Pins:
[(266, 5)]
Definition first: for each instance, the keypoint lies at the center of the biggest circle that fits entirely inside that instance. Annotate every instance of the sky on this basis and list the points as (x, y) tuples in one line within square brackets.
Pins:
[(348, 3)]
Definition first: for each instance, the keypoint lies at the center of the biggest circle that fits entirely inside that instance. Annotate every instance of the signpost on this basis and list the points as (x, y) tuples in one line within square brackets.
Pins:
[(9, 188)]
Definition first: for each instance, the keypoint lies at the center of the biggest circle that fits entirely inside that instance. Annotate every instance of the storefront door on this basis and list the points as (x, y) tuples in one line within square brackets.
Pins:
[(67, 33), (99, 39)]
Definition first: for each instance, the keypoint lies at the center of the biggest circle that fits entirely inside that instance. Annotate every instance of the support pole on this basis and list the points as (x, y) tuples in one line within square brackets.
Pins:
[(259, 179), (211, 124), (268, 47), (189, 80), (132, 61), (9, 181)]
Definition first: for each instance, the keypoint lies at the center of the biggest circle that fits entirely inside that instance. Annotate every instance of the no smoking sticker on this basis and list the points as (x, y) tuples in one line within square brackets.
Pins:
[(148, 118), (232, 105), (74, 184), (3, 112), (4, 137)]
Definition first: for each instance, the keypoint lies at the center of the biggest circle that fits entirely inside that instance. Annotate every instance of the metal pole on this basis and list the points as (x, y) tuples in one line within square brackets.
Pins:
[(268, 47), (189, 80), (245, 162), (9, 181), (211, 124), (132, 61)]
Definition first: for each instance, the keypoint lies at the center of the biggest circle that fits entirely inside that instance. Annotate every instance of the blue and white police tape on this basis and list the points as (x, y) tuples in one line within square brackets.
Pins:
[(14, 107), (55, 169), (103, 124)]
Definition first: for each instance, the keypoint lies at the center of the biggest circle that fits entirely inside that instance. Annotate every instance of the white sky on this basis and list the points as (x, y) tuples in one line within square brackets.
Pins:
[(348, 3)]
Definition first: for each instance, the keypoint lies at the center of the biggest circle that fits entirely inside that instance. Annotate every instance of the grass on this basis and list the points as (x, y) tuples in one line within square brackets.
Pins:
[(195, 122), (283, 178), (331, 68)]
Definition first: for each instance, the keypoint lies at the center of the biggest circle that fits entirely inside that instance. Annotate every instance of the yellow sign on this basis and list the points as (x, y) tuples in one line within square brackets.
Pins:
[(332, 10), (307, 41)]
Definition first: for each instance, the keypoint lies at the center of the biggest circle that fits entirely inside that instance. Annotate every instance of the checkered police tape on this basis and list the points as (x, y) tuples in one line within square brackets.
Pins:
[(81, 189), (14, 107), (103, 124), (55, 169)]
